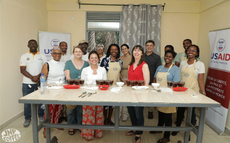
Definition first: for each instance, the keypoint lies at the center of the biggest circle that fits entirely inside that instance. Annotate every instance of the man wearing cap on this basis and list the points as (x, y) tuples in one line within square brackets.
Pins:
[(65, 56), (84, 45), (30, 66)]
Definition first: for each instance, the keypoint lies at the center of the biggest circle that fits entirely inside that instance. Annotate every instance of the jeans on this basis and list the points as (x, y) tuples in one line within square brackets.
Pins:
[(180, 116), (137, 117), (165, 119), (26, 89), (74, 116)]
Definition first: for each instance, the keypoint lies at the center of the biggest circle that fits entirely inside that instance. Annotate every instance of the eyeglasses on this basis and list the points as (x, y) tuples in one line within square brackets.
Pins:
[(56, 54), (191, 50), (33, 44)]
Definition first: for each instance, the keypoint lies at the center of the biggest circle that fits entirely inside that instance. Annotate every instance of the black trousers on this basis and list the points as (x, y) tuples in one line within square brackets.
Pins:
[(137, 117), (165, 119), (180, 116)]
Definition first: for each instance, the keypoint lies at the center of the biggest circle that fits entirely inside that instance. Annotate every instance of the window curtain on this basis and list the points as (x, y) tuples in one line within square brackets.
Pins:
[(139, 24), (107, 38)]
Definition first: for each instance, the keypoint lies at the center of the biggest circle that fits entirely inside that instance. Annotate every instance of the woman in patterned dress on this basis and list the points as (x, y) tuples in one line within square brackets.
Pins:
[(93, 114)]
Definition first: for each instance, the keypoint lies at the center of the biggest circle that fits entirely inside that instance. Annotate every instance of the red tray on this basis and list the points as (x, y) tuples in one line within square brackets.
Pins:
[(71, 86), (179, 88), (103, 87)]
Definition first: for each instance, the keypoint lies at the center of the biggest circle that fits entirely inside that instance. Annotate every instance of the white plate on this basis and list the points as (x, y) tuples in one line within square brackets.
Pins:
[(140, 87)]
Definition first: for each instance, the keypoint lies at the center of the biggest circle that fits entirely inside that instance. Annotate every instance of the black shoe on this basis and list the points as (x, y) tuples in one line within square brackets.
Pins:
[(174, 133), (155, 132), (150, 115)]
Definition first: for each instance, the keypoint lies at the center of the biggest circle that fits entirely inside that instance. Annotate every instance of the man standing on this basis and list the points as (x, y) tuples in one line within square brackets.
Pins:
[(153, 60), (65, 56), (30, 66), (183, 56)]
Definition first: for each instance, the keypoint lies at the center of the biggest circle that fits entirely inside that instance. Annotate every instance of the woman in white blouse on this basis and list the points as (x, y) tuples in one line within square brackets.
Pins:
[(93, 114)]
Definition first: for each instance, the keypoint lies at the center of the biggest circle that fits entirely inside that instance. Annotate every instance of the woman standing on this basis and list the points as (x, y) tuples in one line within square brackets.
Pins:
[(164, 73), (126, 58), (113, 66), (167, 47), (54, 72), (138, 70), (73, 69), (93, 114), (192, 73), (100, 51)]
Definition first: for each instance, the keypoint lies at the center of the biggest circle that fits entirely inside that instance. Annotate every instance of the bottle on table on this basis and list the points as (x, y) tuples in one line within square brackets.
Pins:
[(42, 84)]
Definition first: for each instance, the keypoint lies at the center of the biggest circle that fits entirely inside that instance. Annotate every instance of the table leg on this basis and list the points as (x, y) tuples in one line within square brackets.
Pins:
[(34, 123), (201, 125), (116, 118), (188, 120), (47, 128)]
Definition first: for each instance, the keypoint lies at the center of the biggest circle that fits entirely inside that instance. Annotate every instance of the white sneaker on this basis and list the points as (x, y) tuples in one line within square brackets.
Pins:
[(124, 118)]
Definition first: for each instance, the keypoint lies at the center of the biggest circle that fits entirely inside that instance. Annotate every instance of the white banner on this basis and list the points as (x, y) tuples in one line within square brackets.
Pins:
[(219, 77), (49, 40)]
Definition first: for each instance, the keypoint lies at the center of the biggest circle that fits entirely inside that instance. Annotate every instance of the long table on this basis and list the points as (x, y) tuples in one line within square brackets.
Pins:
[(125, 97)]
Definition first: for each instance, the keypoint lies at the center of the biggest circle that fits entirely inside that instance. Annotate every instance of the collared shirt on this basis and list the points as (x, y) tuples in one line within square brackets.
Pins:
[(154, 61), (65, 57), (105, 62), (33, 65)]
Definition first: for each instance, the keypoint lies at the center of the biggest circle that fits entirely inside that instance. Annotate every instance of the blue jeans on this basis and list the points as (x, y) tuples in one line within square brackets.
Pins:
[(26, 89), (74, 116), (137, 117)]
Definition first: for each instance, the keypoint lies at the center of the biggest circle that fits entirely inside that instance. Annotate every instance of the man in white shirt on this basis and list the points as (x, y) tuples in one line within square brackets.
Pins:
[(65, 56), (84, 45), (30, 66)]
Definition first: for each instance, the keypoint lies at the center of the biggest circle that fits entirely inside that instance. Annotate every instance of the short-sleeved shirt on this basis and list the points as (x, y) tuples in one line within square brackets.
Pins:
[(199, 67), (105, 62), (173, 74), (179, 55), (74, 73), (33, 65), (65, 57), (153, 60)]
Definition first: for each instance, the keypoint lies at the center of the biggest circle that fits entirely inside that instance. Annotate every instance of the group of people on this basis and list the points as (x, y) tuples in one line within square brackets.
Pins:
[(96, 65)]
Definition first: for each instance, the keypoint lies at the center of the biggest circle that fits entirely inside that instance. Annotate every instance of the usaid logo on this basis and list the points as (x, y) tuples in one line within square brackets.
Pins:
[(55, 43), (221, 45), (11, 135)]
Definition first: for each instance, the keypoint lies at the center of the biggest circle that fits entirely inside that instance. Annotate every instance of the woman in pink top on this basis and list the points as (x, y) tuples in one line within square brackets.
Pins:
[(138, 70)]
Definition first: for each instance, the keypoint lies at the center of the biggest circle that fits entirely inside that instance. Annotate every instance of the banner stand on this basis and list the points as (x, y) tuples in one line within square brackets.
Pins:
[(214, 128)]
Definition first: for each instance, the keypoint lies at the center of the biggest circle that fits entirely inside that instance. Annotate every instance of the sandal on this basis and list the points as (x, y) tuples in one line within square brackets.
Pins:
[(71, 132), (130, 133), (137, 139), (163, 140)]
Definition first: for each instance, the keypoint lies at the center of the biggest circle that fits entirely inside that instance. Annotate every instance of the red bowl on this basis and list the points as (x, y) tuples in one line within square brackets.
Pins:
[(71, 86), (103, 87), (179, 88)]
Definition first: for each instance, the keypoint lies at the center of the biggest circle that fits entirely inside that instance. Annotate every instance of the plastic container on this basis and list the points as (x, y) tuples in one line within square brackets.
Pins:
[(42, 84)]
